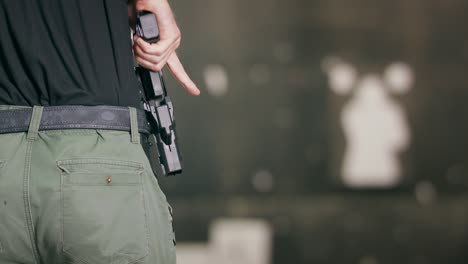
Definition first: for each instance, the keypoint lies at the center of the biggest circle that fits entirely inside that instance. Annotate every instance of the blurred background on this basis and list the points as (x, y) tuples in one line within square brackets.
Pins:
[(328, 131)]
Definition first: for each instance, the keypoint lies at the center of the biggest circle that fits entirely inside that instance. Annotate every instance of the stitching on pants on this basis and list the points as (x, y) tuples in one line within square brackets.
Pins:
[(63, 223), (142, 197), (144, 178), (61, 212), (2, 163), (27, 202), (84, 161)]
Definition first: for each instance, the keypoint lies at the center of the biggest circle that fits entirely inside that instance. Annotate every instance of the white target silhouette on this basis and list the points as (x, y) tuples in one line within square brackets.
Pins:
[(374, 124)]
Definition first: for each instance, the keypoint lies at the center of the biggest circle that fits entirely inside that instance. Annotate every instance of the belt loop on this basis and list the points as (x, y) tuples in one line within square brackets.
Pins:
[(134, 125), (35, 122)]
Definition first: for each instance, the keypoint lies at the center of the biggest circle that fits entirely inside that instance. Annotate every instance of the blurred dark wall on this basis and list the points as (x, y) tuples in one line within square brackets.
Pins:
[(279, 119)]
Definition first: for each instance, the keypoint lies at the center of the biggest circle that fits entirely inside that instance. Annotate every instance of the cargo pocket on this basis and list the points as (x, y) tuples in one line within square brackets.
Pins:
[(103, 213)]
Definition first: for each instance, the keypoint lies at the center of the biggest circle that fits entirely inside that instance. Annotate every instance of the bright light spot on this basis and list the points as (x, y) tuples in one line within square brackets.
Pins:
[(216, 80), (399, 77), (193, 253), (341, 75), (425, 193), (260, 74), (263, 181), (284, 52), (245, 241), (231, 241)]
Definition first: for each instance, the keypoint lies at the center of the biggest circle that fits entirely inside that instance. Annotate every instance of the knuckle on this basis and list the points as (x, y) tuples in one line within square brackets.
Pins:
[(157, 67), (177, 42), (178, 37), (158, 52), (145, 48), (150, 49), (154, 61), (137, 50), (143, 64)]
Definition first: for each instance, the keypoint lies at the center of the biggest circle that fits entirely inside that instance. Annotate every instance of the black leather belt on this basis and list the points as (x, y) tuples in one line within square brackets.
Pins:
[(73, 117)]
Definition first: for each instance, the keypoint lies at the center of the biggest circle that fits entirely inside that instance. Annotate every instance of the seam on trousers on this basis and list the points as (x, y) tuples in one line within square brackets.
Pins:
[(142, 197), (61, 212), (27, 202), (143, 178)]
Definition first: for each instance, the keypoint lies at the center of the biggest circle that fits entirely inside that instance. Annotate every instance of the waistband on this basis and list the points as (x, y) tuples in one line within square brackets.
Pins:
[(18, 118)]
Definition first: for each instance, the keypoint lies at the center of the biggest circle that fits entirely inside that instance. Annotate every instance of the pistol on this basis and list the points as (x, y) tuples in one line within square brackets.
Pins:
[(158, 106)]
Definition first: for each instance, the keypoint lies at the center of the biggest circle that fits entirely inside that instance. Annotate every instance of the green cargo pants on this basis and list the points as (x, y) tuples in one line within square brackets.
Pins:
[(81, 196)]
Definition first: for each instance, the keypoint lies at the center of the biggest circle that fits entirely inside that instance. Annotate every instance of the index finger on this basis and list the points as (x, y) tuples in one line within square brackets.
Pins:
[(181, 75)]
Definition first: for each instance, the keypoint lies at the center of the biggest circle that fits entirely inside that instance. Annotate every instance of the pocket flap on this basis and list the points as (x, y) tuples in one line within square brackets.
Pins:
[(100, 171)]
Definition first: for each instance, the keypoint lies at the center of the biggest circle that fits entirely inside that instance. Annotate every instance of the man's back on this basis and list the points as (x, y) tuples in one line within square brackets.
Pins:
[(55, 52), (76, 184)]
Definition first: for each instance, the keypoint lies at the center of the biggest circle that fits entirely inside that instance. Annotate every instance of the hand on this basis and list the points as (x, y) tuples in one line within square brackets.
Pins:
[(154, 56)]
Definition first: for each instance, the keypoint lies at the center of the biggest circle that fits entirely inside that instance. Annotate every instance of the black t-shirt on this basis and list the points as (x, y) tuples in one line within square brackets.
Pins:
[(58, 52)]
